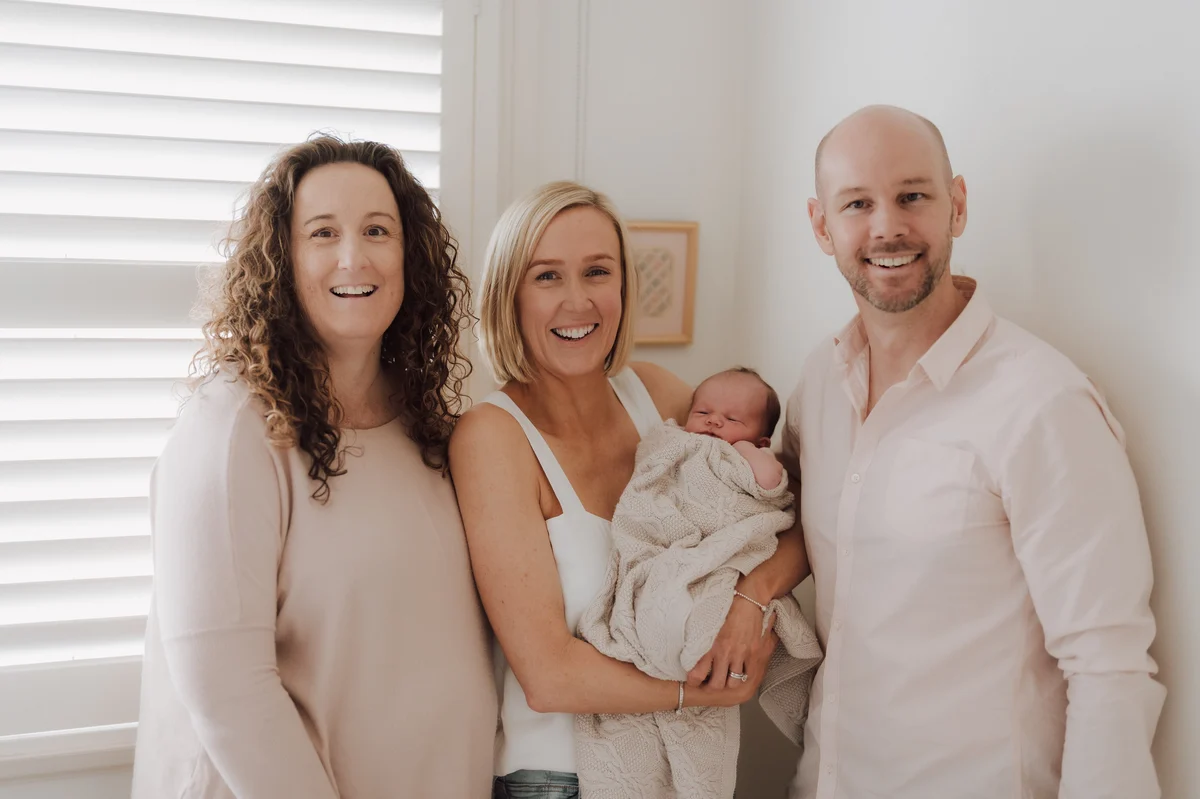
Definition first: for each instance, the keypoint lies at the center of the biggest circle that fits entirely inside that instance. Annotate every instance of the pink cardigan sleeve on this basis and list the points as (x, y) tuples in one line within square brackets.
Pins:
[(218, 503)]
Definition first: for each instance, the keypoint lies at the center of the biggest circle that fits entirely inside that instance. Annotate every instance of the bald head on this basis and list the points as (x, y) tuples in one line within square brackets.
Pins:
[(888, 207), (861, 131)]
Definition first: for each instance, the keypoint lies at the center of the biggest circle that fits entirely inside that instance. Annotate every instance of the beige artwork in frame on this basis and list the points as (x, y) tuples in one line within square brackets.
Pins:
[(664, 255)]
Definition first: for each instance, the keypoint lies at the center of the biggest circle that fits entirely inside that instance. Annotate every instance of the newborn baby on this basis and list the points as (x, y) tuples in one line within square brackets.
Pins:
[(738, 407), (703, 507)]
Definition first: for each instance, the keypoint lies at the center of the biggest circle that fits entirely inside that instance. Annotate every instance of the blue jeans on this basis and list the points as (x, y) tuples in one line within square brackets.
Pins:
[(526, 784)]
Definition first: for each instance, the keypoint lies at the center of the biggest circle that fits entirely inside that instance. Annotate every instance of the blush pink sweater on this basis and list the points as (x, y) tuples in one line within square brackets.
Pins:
[(303, 650)]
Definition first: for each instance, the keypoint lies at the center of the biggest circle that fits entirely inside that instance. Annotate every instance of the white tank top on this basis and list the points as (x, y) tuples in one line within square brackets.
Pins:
[(581, 543)]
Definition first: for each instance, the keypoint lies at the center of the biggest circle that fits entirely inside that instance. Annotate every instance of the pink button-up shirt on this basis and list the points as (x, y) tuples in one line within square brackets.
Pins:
[(982, 575)]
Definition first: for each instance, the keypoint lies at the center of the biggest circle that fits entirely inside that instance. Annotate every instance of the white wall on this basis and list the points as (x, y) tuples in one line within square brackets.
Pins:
[(663, 137), (643, 100), (1076, 126)]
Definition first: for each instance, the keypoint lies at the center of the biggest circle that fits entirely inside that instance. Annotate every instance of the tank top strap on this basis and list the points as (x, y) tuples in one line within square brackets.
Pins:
[(637, 400), (563, 490)]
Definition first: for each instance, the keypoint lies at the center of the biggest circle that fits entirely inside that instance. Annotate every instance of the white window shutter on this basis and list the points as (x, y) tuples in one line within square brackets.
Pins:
[(129, 131)]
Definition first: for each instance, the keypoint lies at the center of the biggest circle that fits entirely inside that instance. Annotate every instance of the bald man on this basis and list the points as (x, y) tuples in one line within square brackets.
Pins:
[(974, 529)]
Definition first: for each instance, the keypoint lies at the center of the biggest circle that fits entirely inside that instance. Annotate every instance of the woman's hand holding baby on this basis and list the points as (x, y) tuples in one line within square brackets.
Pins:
[(740, 648)]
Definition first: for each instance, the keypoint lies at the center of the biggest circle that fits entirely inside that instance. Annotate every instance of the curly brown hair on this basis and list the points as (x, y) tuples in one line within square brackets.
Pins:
[(257, 328)]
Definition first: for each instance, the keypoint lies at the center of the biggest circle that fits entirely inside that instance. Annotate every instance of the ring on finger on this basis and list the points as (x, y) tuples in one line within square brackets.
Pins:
[(734, 675)]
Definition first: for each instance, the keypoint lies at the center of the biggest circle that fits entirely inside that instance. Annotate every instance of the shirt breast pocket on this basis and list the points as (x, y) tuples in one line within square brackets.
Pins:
[(929, 490)]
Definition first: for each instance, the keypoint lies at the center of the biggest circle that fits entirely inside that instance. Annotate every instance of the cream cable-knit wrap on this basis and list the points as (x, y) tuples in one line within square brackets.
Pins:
[(692, 520)]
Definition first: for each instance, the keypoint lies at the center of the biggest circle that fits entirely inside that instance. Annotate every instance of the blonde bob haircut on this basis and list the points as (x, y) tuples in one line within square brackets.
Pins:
[(508, 255)]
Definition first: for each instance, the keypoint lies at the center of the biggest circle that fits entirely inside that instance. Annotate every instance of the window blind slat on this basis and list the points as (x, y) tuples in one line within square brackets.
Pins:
[(43, 400), (79, 440), (78, 360), (173, 118), (74, 600), (79, 519), (129, 133), (38, 481), (108, 197), (50, 561), (140, 294), (209, 79), (85, 358), (142, 157), (280, 40), (420, 17), (55, 642), (29, 237)]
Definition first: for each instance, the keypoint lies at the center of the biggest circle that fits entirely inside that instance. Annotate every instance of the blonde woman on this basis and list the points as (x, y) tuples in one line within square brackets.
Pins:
[(314, 632), (539, 467)]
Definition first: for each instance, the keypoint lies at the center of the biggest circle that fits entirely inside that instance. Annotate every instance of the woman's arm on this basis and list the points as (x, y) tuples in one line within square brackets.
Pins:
[(671, 396), (216, 505), (497, 479)]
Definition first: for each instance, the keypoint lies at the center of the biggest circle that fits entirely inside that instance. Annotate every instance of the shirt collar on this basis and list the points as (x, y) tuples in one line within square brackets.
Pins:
[(947, 354), (950, 351), (849, 342)]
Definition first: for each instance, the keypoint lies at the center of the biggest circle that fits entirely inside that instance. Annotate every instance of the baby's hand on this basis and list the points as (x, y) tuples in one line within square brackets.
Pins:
[(768, 471)]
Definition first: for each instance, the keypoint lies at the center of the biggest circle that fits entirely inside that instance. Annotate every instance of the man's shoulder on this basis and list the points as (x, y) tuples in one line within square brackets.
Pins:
[(816, 365), (1037, 384), (1029, 362), (814, 373), (1028, 377), (821, 356)]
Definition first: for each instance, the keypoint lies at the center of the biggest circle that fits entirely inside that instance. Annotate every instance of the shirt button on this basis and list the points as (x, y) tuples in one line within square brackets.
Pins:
[(845, 552), (837, 625), (829, 769), (854, 478), (831, 698)]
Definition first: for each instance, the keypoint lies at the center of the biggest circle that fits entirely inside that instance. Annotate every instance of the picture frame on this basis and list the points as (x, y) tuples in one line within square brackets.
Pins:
[(664, 255)]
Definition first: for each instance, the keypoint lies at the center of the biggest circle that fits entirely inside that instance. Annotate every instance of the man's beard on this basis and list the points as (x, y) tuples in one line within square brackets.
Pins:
[(856, 274)]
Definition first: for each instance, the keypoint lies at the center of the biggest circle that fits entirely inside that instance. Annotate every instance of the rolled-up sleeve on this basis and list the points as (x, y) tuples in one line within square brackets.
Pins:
[(1079, 534)]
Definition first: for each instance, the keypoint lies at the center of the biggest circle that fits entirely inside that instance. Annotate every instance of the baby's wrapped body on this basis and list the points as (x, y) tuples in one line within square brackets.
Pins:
[(692, 520)]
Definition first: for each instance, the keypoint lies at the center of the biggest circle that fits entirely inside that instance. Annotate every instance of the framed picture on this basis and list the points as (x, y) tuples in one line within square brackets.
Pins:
[(664, 254)]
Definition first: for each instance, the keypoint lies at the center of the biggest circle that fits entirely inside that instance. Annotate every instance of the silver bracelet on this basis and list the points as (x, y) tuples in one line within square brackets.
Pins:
[(754, 602), (679, 708)]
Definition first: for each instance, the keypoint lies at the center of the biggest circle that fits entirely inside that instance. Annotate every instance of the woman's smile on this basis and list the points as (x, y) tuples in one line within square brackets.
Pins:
[(575, 333)]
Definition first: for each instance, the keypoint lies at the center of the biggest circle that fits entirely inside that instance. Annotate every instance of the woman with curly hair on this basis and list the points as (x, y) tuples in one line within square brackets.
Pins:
[(314, 631)]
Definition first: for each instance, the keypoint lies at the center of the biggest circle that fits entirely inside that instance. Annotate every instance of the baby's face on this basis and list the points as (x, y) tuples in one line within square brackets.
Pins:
[(729, 407)]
